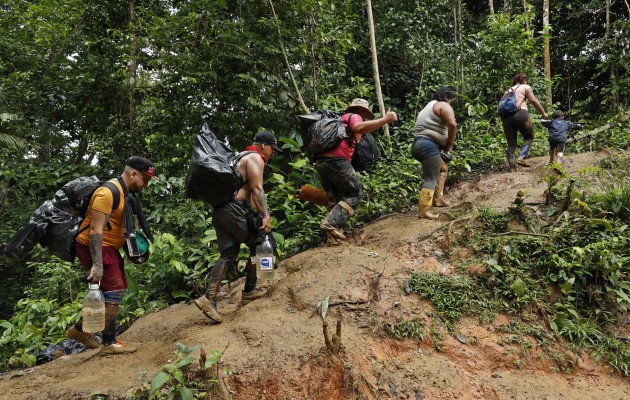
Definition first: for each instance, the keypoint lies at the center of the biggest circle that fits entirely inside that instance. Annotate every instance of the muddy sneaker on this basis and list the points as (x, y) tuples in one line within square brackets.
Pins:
[(332, 240), (332, 231), (117, 348), (523, 162), (253, 295), (208, 309), (83, 337)]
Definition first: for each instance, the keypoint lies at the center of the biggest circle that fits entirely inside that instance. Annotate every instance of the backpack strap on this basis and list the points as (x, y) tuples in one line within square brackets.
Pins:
[(115, 203), (115, 194)]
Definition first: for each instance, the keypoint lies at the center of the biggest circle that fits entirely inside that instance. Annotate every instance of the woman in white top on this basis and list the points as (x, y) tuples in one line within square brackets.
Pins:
[(435, 132), (519, 121)]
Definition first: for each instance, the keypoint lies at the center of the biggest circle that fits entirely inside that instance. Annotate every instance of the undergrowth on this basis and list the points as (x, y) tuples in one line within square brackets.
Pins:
[(567, 263)]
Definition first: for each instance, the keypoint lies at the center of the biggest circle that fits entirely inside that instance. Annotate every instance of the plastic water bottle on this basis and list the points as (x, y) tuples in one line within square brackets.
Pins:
[(264, 256), (93, 309)]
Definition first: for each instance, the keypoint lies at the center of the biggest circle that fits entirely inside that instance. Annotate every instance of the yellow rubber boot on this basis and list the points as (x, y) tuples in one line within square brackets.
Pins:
[(424, 204), (438, 198)]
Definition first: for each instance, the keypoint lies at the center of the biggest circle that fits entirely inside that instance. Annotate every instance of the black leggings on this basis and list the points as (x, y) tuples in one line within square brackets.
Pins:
[(518, 122)]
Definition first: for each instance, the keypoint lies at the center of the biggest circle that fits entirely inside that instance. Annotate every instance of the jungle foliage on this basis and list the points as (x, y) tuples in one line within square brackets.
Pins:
[(84, 84), (568, 267)]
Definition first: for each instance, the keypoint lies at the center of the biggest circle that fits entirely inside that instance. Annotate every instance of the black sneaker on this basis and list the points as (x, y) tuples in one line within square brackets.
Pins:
[(253, 295)]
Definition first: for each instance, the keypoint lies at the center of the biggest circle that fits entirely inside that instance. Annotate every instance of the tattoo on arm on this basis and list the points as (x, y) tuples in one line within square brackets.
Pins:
[(96, 248), (262, 202)]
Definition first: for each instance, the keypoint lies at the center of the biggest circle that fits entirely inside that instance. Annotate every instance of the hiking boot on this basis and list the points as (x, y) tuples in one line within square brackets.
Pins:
[(253, 294), (522, 162), (83, 337), (117, 348), (208, 308), (332, 240), (332, 231)]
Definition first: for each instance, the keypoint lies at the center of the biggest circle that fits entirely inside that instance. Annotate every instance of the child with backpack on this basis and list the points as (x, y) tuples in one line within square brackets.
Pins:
[(558, 131)]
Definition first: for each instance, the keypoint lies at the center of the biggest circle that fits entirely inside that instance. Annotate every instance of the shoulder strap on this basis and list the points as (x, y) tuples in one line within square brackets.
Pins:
[(115, 194), (115, 199)]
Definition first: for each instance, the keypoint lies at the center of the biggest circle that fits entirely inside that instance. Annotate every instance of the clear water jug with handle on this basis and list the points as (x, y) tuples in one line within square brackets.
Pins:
[(93, 309), (265, 258)]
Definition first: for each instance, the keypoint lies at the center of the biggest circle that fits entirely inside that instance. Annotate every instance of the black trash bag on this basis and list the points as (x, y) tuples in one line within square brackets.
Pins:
[(212, 176), (306, 121), (25, 239), (74, 197), (67, 346), (61, 230), (321, 131)]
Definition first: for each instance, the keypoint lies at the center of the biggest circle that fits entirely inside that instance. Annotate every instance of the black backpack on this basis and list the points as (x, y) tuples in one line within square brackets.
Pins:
[(213, 176), (55, 224), (366, 153)]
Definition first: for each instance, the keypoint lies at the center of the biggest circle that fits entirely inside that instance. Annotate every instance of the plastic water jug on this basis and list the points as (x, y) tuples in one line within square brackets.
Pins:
[(265, 258), (93, 309)]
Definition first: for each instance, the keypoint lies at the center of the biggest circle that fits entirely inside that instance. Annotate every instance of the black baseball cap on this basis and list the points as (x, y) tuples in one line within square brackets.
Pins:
[(143, 165), (267, 138)]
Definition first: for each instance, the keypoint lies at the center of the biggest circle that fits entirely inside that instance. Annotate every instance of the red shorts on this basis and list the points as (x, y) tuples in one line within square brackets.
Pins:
[(113, 266)]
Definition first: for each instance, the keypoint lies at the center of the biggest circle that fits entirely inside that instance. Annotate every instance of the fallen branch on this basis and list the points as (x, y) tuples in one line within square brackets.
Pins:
[(341, 303), (599, 130), (519, 233)]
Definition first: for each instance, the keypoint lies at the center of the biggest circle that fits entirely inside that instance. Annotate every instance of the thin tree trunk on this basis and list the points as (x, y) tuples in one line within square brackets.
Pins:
[(613, 72), (133, 67), (455, 39), (531, 34), (46, 143), (459, 28), (491, 4), (82, 148), (313, 59), (546, 33), (377, 79), (286, 62)]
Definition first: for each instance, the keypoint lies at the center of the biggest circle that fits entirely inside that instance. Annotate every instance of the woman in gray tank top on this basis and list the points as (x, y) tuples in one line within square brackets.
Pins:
[(435, 132)]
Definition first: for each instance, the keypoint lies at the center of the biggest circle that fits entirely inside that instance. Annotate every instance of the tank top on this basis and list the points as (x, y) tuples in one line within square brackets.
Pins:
[(430, 125), (519, 95)]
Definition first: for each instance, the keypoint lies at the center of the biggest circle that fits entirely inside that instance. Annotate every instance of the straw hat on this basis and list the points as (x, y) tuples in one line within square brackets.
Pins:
[(360, 104)]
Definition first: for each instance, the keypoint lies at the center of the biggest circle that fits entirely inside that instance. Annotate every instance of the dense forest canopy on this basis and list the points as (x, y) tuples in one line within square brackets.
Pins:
[(84, 84)]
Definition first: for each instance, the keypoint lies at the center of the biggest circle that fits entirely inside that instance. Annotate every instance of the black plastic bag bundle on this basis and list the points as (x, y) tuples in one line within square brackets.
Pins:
[(61, 230), (321, 131), (74, 197), (212, 176), (56, 222)]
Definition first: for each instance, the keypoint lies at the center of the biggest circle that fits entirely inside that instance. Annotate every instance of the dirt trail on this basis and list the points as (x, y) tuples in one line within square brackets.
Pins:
[(276, 346)]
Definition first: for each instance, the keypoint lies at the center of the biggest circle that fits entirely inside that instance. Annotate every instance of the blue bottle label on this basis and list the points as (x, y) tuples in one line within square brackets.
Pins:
[(266, 263)]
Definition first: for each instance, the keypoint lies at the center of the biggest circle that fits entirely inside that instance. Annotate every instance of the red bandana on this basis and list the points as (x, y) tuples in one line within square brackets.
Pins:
[(254, 148)]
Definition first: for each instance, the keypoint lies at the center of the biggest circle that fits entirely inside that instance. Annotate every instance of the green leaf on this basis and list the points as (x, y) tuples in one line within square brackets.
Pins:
[(185, 361), (185, 393), (566, 288), (159, 380)]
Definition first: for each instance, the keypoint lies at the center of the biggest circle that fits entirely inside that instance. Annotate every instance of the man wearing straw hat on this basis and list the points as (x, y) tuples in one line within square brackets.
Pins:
[(335, 170)]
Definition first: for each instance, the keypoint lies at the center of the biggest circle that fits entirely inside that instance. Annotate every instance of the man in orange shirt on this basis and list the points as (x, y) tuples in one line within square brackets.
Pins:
[(102, 234)]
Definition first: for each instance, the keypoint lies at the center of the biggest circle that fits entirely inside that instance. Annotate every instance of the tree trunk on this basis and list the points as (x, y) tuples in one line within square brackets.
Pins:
[(546, 33), (286, 62), (531, 33), (133, 67), (613, 72), (377, 79), (313, 59), (491, 5)]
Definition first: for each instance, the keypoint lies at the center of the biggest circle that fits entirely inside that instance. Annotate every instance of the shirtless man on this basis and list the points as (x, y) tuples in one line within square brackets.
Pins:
[(231, 224)]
